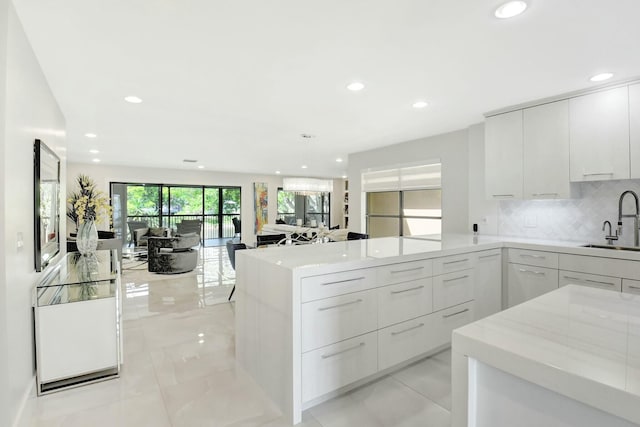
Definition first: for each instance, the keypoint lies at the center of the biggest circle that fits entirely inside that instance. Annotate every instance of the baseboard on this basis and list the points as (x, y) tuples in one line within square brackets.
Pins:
[(28, 393)]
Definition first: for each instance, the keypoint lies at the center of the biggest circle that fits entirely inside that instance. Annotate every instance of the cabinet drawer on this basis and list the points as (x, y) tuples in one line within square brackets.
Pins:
[(403, 341), (537, 258), (452, 289), (631, 286), (602, 266), (452, 263), (330, 320), (404, 301), (402, 272), (525, 282), (329, 368), (330, 285), (445, 321), (592, 280)]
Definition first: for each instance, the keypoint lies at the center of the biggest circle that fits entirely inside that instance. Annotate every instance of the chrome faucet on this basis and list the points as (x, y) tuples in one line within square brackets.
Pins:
[(609, 236), (635, 217)]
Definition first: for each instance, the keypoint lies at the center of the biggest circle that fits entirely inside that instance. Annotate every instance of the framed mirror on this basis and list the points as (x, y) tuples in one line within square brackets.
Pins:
[(46, 191)]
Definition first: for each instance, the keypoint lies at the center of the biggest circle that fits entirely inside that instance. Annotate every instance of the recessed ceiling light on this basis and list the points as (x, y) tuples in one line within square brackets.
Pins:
[(303, 166), (510, 9), (277, 172), (96, 160), (344, 176), (90, 135), (355, 86), (133, 99), (200, 166), (94, 151), (420, 104), (339, 160), (601, 77)]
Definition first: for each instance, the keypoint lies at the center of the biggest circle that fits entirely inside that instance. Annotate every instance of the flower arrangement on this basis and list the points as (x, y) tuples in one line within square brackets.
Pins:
[(88, 204)]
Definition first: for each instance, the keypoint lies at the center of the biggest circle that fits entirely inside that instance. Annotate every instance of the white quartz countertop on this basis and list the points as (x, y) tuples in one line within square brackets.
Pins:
[(380, 251), (578, 341)]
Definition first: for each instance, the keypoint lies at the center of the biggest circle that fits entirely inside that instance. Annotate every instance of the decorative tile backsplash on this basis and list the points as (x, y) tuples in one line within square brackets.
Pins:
[(573, 219)]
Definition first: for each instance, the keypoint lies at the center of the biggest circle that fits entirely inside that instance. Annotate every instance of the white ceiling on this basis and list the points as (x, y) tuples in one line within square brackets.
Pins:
[(234, 83)]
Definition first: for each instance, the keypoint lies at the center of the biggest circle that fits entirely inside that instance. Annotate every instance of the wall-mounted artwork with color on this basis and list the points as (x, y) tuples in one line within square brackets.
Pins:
[(260, 194)]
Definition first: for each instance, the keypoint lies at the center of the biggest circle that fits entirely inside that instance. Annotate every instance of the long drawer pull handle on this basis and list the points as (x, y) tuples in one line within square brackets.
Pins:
[(542, 273), (406, 270), (633, 287), (488, 256), (456, 313), (455, 278), (597, 281), (597, 173), (590, 281), (326, 356), (407, 290), (407, 330), (532, 256), (544, 194), (342, 281), (502, 195), (339, 305), (453, 262)]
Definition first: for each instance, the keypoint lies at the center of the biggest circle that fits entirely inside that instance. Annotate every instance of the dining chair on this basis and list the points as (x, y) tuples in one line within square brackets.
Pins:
[(231, 251), (237, 229), (269, 239), (356, 236)]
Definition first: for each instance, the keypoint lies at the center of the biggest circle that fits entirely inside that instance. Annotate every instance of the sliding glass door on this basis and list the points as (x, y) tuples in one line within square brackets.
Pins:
[(160, 205)]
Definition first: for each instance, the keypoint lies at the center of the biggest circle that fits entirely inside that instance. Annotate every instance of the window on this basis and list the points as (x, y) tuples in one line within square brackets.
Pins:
[(404, 213), (313, 206), (404, 201)]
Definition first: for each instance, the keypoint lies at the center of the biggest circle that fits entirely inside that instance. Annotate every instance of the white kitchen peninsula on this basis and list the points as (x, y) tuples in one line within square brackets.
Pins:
[(568, 358), (313, 321)]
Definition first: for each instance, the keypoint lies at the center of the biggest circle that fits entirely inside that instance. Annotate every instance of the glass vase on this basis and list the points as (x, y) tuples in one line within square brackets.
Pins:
[(87, 239)]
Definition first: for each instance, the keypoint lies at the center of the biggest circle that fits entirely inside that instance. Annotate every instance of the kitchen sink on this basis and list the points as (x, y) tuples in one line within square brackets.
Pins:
[(617, 248)]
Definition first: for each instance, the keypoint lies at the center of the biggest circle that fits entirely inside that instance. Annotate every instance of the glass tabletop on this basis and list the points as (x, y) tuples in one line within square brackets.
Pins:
[(79, 278)]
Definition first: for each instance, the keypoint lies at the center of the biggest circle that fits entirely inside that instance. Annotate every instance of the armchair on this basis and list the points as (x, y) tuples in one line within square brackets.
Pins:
[(171, 255), (133, 226), (141, 235)]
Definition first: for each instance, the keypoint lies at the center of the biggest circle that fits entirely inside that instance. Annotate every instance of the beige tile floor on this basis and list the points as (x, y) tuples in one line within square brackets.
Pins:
[(179, 369)]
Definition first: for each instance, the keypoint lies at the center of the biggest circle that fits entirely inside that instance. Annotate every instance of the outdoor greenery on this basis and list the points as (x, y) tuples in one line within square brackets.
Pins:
[(145, 200)]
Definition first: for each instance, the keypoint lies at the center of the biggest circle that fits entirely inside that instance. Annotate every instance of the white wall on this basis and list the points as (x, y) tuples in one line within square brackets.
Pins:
[(105, 174), (481, 211), (452, 150), (30, 112)]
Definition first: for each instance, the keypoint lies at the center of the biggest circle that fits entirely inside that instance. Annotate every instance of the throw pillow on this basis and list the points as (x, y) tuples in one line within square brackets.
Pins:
[(156, 232)]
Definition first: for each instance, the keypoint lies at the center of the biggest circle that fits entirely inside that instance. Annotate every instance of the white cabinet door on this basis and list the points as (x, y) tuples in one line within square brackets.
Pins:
[(526, 282), (488, 283), (452, 289), (599, 135), (403, 341), (634, 128), (546, 151), (503, 156)]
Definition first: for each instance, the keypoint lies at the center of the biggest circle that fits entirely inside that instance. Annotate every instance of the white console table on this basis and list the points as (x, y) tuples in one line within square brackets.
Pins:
[(77, 309)]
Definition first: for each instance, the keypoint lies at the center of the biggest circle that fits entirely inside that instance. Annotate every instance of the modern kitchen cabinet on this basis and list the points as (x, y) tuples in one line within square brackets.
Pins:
[(546, 148), (526, 282), (599, 135), (634, 129), (488, 283), (503, 156)]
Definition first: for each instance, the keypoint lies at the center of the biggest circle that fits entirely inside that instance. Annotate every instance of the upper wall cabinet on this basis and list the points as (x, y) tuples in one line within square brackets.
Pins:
[(503, 156), (546, 151), (634, 128), (599, 129)]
